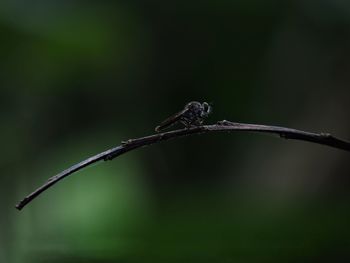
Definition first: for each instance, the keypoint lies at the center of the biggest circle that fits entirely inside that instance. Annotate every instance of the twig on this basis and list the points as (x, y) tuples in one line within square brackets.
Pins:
[(221, 126)]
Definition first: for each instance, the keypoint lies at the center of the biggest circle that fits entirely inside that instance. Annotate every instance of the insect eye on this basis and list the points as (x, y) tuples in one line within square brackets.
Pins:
[(206, 107)]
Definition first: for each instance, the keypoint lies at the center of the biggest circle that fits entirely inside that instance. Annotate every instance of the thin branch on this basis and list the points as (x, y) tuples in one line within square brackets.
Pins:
[(221, 126)]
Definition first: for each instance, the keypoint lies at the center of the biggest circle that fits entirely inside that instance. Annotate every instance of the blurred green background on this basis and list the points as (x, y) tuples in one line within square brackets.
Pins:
[(77, 77)]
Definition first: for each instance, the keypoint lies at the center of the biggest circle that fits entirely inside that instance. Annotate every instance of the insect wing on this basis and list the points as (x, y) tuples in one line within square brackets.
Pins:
[(170, 121)]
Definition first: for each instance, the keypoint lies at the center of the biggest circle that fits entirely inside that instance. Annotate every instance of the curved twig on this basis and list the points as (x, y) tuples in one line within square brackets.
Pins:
[(226, 126)]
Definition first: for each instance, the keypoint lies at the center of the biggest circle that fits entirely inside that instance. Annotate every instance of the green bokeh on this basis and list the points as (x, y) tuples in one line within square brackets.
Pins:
[(76, 78)]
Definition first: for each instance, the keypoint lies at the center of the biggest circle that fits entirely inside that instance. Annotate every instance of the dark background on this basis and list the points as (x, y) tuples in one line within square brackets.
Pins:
[(77, 77)]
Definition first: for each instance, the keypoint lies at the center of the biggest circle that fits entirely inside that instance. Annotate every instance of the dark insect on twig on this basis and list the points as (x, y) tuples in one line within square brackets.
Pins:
[(192, 116)]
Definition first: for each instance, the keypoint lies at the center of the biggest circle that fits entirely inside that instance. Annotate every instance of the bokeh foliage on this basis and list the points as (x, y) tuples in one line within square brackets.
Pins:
[(78, 77)]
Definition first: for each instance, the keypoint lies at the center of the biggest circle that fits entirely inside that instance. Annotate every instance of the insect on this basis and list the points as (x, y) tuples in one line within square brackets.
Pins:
[(193, 114)]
